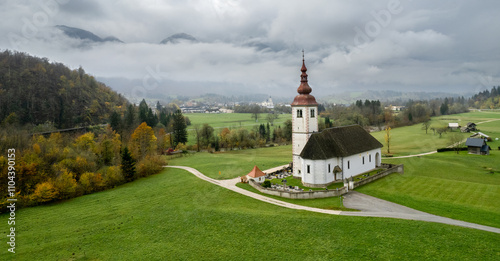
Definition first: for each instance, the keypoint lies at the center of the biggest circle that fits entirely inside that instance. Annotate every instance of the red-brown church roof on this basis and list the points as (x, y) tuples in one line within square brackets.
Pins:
[(304, 98), (256, 172)]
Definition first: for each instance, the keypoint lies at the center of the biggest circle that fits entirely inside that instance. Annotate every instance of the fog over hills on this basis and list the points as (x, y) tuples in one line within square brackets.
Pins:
[(230, 47)]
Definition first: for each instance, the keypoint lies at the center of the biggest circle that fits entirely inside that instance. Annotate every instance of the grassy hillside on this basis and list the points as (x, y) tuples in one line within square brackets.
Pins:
[(176, 216)]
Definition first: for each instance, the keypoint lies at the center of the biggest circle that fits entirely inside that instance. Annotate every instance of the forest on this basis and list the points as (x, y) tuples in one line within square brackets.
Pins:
[(35, 91), (120, 142)]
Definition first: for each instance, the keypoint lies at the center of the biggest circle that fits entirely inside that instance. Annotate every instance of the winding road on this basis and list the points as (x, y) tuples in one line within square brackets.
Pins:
[(369, 206)]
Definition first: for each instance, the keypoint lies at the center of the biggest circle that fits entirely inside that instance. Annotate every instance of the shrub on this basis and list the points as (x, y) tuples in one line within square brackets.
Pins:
[(112, 176), (450, 149), (266, 184), (150, 165)]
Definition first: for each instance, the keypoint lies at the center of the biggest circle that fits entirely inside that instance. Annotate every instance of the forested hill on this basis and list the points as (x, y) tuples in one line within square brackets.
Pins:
[(36, 91)]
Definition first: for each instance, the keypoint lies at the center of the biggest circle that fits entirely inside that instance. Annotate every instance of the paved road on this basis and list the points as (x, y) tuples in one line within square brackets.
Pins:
[(368, 205)]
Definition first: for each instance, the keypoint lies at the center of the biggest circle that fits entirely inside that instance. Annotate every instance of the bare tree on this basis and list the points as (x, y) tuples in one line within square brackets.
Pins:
[(271, 117), (388, 139), (255, 112), (426, 125), (456, 141)]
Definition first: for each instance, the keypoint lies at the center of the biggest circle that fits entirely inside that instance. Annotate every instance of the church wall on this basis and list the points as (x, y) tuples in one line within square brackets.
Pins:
[(318, 171), (353, 165)]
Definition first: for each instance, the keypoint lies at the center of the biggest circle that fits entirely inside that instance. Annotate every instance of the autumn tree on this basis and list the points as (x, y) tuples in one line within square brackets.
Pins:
[(163, 141), (44, 192), (143, 141)]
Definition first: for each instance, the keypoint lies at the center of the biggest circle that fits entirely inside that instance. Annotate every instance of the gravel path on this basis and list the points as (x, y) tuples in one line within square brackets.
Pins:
[(369, 206)]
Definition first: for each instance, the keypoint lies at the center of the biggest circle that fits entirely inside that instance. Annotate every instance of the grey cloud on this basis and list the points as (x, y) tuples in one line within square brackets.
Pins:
[(255, 45)]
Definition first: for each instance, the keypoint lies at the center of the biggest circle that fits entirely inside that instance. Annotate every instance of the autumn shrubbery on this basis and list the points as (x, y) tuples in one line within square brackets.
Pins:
[(150, 165), (57, 168)]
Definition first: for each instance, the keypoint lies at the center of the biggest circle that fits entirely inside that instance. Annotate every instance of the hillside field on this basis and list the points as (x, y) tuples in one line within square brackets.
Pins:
[(176, 216)]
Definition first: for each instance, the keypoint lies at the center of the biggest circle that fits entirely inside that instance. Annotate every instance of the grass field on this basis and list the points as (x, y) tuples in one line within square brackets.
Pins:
[(413, 140), (465, 187), (236, 163), (176, 216), (231, 121)]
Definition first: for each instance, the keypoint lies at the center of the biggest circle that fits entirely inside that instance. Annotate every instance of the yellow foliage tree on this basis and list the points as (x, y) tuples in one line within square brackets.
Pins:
[(44, 192), (66, 184), (85, 141), (91, 181), (143, 141)]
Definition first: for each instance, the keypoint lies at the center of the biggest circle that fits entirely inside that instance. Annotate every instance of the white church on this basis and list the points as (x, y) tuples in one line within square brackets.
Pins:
[(321, 158)]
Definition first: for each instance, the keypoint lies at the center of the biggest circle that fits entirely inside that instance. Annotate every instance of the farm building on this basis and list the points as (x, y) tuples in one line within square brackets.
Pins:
[(321, 158), (477, 146), (453, 125), (470, 127), (257, 175)]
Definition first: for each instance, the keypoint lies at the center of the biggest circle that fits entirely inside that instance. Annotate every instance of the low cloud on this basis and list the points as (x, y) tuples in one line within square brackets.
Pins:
[(257, 45)]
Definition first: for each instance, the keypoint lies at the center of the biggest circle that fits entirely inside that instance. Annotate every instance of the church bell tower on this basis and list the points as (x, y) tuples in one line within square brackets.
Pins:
[(304, 119)]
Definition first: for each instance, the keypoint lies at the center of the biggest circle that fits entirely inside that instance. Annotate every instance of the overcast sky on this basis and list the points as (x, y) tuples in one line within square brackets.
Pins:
[(448, 46)]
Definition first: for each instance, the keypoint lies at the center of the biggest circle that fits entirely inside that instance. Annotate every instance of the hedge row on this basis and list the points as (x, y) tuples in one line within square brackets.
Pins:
[(451, 149)]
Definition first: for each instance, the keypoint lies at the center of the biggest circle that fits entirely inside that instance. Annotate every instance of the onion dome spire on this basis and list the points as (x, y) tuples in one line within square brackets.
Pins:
[(304, 98), (304, 86)]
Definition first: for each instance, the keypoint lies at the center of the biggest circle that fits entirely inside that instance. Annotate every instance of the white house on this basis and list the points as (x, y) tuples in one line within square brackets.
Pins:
[(334, 154)]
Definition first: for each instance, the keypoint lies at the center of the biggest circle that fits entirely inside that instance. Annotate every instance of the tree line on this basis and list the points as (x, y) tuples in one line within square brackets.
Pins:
[(240, 138), (371, 113)]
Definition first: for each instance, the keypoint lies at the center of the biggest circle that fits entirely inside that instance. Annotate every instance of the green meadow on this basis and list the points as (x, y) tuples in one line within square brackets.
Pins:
[(235, 163), (231, 121), (412, 140), (176, 216), (459, 186)]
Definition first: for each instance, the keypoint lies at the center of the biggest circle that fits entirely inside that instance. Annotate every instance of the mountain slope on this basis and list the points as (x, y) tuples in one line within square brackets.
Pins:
[(35, 91), (81, 34), (178, 38)]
